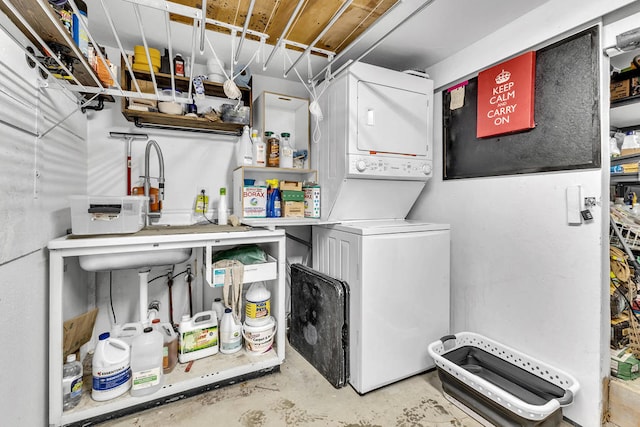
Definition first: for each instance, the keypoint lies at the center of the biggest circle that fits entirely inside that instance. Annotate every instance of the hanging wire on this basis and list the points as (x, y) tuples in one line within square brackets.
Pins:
[(337, 48)]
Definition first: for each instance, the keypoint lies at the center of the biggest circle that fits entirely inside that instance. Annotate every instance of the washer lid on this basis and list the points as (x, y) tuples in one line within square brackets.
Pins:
[(387, 226)]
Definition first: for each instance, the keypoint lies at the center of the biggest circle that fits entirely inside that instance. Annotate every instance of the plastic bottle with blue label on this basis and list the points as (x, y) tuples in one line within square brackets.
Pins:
[(111, 368)]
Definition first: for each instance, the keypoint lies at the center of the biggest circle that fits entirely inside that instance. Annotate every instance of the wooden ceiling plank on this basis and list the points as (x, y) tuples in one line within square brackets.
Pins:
[(271, 16)]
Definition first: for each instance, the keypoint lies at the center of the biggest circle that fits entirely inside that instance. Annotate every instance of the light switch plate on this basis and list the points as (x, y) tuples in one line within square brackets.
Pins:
[(574, 199)]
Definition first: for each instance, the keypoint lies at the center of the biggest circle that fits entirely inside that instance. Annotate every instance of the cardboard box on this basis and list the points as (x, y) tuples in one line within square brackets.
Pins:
[(254, 201), (293, 209), (624, 365), (620, 331), (619, 90), (290, 185), (292, 196)]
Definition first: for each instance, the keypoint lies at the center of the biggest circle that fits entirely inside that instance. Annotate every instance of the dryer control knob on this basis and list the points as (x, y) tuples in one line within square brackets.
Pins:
[(361, 166), (426, 168)]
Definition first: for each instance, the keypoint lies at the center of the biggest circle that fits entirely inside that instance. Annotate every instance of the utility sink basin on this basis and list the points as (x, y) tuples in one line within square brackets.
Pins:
[(134, 260)]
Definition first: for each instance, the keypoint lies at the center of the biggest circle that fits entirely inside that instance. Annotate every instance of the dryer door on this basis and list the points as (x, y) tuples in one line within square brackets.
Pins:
[(392, 120)]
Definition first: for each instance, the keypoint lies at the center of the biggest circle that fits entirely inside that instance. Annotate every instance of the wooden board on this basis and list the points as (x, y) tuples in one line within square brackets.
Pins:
[(271, 16)]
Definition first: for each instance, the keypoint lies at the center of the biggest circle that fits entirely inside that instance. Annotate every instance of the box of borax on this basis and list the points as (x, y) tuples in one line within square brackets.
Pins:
[(254, 201)]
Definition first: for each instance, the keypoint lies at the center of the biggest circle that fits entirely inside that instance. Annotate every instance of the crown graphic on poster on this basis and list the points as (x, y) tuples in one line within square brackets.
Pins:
[(503, 77)]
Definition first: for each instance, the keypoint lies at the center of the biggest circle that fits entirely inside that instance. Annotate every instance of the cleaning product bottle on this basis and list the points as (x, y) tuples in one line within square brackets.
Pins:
[(244, 148), (71, 383), (222, 207), (273, 199), (230, 333), (218, 307), (259, 150), (286, 151), (198, 336), (146, 362), (111, 368), (258, 307), (169, 346), (277, 201)]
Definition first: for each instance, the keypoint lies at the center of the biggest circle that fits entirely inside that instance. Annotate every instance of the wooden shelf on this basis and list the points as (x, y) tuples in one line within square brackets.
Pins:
[(179, 122), (44, 22)]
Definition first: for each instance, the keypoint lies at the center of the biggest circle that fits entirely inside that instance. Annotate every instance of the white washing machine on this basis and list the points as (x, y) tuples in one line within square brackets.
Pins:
[(398, 277)]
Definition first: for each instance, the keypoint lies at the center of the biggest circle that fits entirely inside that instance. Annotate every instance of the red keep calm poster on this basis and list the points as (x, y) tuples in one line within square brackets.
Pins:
[(506, 96)]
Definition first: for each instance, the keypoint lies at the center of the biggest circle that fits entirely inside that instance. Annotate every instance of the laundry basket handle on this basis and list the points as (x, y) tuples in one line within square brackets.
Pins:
[(446, 338), (566, 399)]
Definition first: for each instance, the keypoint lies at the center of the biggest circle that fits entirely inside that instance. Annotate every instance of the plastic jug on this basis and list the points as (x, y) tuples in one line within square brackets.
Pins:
[(230, 333), (258, 306), (169, 345), (198, 336), (146, 363), (127, 332), (111, 368)]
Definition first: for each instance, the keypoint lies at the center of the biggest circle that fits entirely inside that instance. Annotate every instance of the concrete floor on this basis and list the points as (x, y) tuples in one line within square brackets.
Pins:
[(300, 396)]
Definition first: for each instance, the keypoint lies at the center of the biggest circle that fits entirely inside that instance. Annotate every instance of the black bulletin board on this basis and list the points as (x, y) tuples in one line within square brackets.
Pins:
[(566, 114)]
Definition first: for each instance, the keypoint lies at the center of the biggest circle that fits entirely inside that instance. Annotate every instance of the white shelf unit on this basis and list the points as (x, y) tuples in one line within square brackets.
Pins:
[(280, 113), (262, 174), (205, 373)]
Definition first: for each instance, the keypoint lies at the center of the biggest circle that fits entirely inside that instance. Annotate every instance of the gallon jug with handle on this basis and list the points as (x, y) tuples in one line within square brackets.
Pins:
[(111, 368), (198, 336)]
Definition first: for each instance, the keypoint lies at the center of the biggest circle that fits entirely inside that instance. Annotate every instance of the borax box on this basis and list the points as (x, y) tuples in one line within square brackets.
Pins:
[(254, 202)]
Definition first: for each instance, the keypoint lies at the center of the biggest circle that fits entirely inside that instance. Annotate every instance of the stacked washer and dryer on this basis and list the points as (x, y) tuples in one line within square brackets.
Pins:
[(374, 157)]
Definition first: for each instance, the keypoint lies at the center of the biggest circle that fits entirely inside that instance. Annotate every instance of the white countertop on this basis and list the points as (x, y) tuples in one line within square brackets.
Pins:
[(157, 235)]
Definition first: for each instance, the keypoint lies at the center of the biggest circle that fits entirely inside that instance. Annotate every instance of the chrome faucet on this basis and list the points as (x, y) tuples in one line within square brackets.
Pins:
[(153, 216)]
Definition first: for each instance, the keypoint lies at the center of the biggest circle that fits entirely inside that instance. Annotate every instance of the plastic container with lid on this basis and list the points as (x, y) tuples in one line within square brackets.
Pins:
[(71, 383), (198, 336), (111, 368), (244, 149), (259, 150), (218, 307), (146, 362), (230, 333), (222, 207), (178, 65), (286, 151), (169, 346), (273, 149), (258, 305)]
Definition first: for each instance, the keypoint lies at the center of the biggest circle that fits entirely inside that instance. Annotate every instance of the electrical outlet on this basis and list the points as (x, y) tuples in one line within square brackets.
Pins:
[(201, 203)]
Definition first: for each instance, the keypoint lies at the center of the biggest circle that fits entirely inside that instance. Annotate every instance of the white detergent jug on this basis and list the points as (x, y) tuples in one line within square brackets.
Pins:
[(126, 332), (198, 336), (230, 333), (146, 363), (258, 306), (111, 368)]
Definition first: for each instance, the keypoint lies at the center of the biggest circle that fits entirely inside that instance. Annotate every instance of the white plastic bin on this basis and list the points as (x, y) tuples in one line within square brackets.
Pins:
[(499, 384), (107, 214)]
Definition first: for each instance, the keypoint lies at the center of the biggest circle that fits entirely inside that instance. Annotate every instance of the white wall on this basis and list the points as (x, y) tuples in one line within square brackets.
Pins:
[(192, 161), (33, 210), (519, 273)]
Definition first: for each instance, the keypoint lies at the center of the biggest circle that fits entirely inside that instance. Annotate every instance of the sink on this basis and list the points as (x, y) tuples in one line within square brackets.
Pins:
[(134, 260)]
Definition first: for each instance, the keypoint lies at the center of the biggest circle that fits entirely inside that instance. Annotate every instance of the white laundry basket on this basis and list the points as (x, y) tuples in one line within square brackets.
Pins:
[(500, 385)]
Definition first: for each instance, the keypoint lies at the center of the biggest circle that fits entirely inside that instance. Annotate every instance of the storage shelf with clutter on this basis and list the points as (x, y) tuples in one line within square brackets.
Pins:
[(144, 109), (299, 197)]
